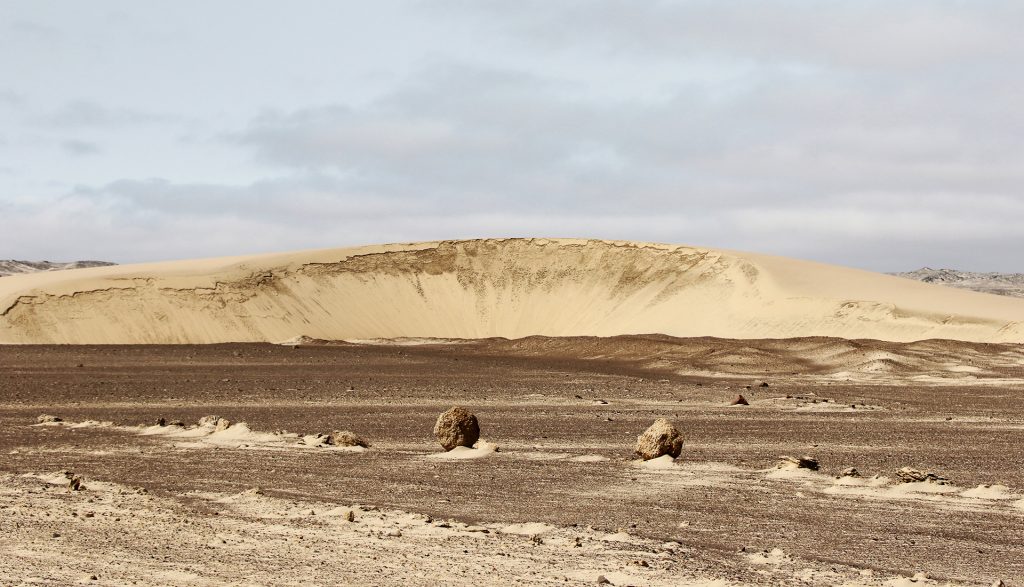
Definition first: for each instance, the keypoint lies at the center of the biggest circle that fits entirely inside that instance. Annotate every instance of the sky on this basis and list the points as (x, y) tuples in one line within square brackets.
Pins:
[(874, 134)]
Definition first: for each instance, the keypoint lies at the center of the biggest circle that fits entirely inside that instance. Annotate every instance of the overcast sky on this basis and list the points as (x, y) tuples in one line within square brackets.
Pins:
[(884, 135)]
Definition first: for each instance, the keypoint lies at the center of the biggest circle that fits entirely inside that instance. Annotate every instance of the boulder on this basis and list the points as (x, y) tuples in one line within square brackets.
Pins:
[(346, 438), (457, 427), (661, 438), (222, 424)]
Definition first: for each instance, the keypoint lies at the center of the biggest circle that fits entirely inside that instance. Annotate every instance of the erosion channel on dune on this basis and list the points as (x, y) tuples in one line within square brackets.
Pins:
[(491, 288)]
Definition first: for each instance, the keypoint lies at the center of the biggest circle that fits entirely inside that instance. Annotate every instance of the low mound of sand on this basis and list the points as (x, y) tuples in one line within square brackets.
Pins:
[(491, 288)]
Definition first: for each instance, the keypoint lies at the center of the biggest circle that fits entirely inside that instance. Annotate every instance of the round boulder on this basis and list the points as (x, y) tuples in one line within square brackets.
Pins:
[(457, 427), (660, 439)]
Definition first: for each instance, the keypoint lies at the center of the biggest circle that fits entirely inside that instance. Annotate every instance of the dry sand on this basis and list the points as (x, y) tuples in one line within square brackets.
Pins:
[(486, 288)]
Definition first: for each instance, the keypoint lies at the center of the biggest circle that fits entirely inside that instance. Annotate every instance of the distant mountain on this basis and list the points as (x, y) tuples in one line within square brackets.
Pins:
[(11, 267), (1004, 284)]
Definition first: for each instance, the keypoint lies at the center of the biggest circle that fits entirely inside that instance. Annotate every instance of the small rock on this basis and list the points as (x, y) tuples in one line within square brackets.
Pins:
[(396, 533), (740, 401), (602, 580), (47, 418), (161, 421), (74, 481), (208, 421), (457, 427), (346, 438), (177, 423), (911, 475), (661, 438), (222, 424), (850, 472), (350, 516), (804, 462)]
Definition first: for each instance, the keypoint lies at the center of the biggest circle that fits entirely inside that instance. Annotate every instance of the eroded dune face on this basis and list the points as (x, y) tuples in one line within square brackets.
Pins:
[(486, 288)]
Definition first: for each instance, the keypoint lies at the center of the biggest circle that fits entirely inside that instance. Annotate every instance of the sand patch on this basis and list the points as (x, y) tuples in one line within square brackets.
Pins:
[(999, 492), (660, 463), (482, 449), (82, 424), (236, 436), (527, 529), (774, 556)]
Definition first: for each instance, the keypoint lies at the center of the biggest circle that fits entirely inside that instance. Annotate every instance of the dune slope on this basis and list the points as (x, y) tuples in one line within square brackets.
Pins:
[(485, 288)]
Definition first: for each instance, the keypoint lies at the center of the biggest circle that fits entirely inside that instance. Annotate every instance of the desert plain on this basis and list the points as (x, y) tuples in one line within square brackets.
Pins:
[(565, 351)]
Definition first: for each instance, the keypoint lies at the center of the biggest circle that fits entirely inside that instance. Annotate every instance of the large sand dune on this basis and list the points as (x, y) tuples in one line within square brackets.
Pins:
[(485, 288)]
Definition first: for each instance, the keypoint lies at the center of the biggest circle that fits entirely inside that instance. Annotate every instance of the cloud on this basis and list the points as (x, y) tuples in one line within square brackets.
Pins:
[(76, 147), (33, 29), (85, 113), (872, 134), (12, 99), (869, 34), (517, 136)]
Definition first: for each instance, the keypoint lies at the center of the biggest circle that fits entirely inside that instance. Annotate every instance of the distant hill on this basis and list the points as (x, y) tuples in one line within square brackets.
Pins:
[(1004, 284), (12, 267)]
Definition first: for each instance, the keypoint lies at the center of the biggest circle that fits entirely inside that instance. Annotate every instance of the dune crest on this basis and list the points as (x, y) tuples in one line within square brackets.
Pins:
[(491, 288)]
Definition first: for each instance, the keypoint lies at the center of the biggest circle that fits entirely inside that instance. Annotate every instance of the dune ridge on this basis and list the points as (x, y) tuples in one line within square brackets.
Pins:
[(491, 288)]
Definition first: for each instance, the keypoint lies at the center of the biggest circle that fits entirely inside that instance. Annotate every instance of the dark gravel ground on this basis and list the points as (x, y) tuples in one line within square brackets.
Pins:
[(538, 407)]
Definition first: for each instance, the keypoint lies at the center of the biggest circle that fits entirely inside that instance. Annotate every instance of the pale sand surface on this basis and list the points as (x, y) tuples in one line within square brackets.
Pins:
[(487, 288)]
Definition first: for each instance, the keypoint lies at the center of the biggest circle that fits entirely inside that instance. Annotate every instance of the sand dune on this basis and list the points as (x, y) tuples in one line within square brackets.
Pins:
[(491, 288)]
